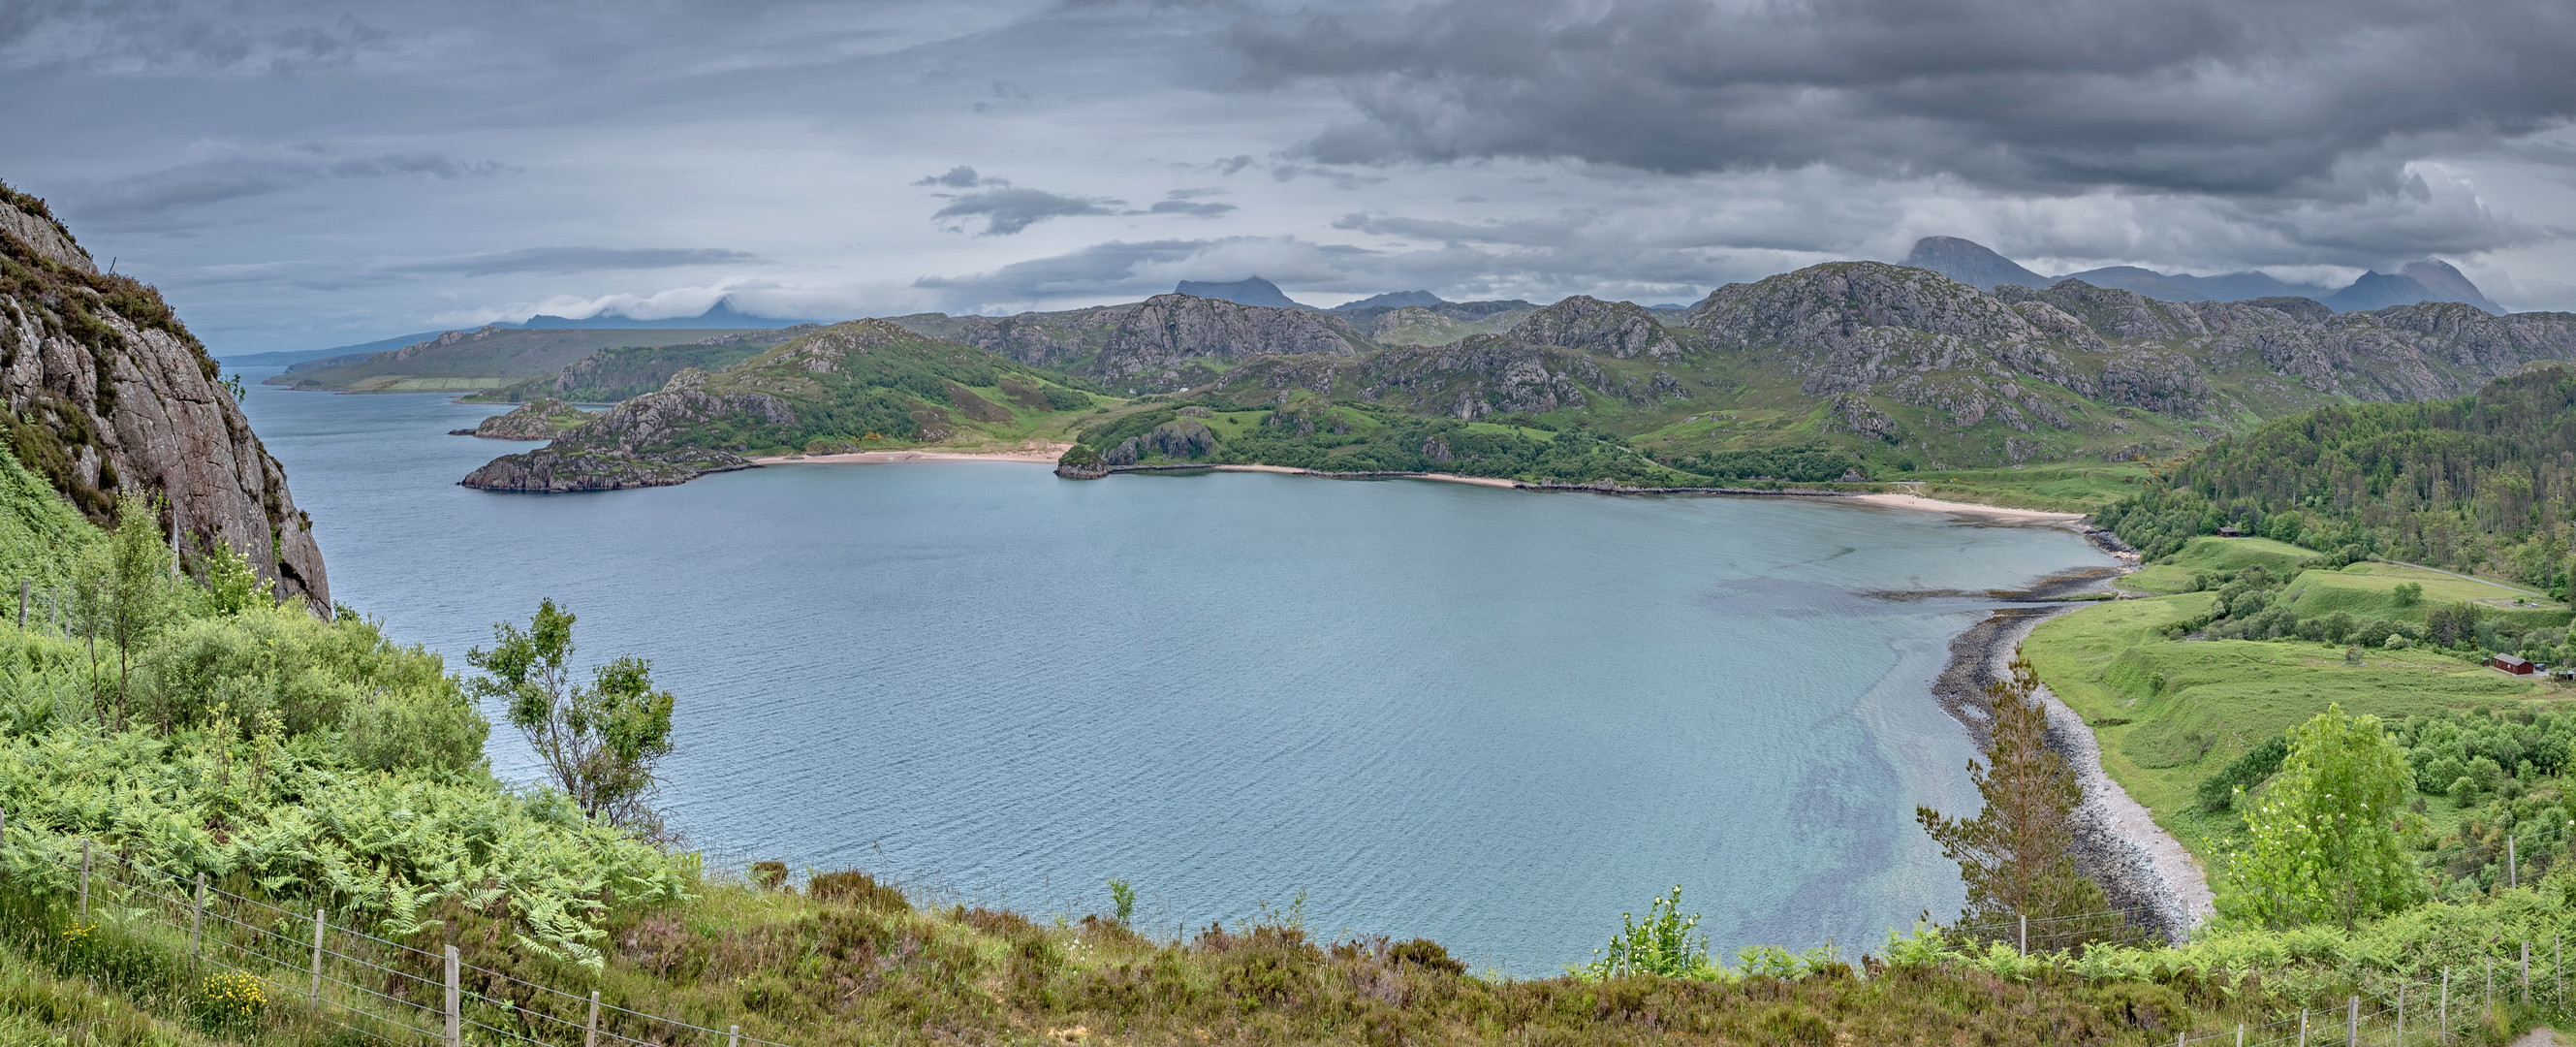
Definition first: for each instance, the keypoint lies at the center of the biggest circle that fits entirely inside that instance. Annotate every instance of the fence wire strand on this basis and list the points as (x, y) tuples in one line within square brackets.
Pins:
[(2435, 1017)]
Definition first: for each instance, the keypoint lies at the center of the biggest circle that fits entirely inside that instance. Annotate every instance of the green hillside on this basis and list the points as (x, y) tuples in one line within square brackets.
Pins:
[(2481, 484), (860, 386), (492, 357)]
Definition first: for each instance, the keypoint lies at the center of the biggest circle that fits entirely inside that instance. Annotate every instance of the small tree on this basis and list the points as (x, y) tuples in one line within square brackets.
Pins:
[(2323, 839), (600, 741), (2017, 854), (126, 590)]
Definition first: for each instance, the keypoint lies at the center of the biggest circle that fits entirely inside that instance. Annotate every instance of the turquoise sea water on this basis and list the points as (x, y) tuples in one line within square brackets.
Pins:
[(1491, 717)]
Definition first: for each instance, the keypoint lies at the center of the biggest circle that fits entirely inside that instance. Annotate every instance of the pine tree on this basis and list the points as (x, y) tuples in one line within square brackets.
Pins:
[(2017, 855)]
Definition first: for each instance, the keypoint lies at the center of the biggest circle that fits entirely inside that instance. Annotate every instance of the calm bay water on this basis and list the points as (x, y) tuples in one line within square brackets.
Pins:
[(1495, 718)]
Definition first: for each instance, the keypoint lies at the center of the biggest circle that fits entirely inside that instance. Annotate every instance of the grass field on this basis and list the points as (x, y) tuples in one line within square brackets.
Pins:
[(2173, 574), (2169, 713)]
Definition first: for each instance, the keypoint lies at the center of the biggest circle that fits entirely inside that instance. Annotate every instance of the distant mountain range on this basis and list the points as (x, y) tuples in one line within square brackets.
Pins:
[(720, 316), (2430, 280)]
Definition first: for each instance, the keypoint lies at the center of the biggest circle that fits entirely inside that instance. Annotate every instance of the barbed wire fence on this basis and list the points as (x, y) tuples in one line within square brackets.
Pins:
[(295, 965)]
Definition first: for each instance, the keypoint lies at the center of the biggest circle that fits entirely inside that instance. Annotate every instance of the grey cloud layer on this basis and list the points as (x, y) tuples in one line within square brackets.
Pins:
[(361, 165), (579, 260), (213, 180), (2228, 97)]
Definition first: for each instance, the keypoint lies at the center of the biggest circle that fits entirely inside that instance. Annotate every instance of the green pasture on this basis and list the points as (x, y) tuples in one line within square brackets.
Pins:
[(2169, 713)]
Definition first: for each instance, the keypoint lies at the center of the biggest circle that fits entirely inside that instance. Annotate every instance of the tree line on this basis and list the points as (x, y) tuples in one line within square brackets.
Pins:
[(2482, 483)]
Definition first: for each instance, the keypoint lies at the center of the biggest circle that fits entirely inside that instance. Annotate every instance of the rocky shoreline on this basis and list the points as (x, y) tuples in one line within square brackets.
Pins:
[(2118, 844)]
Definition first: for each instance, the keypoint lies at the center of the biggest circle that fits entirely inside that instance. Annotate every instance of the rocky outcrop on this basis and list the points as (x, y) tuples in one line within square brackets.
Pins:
[(1059, 339), (1615, 329), (1081, 462), (563, 470), (1155, 343), (638, 443), (1467, 379), (542, 419), (108, 393)]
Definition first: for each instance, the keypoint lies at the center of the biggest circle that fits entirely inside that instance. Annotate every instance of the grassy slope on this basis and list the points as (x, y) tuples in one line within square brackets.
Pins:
[(902, 390), (490, 361), (2219, 697)]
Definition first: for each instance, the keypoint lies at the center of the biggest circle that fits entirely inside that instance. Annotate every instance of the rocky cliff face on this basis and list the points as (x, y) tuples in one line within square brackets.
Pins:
[(109, 393)]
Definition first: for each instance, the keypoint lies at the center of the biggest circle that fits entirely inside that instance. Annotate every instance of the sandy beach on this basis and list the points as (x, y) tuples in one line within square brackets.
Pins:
[(1895, 500)]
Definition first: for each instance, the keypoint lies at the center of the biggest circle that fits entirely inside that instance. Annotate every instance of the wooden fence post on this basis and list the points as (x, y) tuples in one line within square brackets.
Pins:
[(2446, 1003), (197, 920), (84, 899), (2025, 935), (455, 1006), (2526, 973), (2352, 1021), (735, 1039), (590, 1033), (22, 604), (2512, 868), (317, 954)]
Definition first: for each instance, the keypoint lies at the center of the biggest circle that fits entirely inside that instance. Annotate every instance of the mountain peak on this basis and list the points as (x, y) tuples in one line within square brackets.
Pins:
[(1249, 291), (1970, 262), (2430, 280), (2447, 284)]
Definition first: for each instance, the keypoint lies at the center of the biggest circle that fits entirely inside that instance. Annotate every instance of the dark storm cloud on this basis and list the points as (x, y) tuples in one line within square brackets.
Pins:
[(162, 37), (1191, 202), (1106, 268), (959, 177), (580, 260), (2199, 96), (1007, 211), (221, 178)]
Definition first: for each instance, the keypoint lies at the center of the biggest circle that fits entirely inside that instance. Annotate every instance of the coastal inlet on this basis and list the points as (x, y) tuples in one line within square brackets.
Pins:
[(1496, 718)]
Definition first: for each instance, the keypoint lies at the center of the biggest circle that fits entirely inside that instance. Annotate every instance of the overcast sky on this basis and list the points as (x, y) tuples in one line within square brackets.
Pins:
[(303, 175)]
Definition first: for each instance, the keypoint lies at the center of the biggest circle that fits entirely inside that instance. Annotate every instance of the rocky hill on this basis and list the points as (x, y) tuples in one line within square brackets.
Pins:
[(1891, 369), (863, 385), (1181, 340), (1845, 368), (108, 392)]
